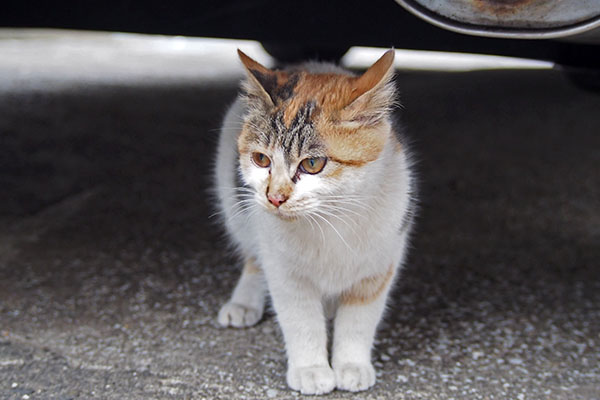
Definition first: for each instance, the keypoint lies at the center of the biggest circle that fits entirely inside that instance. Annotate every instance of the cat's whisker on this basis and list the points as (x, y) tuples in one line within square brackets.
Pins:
[(335, 230), (312, 227), (241, 191), (241, 196), (349, 207), (332, 213), (245, 196), (360, 199), (237, 213), (342, 220), (346, 197), (358, 196), (310, 215), (344, 217), (346, 201), (330, 205), (335, 206), (244, 202), (246, 210), (340, 214), (255, 209), (215, 214), (245, 214), (357, 200), (241, 208), (235, 188)]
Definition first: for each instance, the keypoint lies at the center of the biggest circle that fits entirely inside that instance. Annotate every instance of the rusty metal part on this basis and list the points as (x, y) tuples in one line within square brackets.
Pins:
[(525, 19)]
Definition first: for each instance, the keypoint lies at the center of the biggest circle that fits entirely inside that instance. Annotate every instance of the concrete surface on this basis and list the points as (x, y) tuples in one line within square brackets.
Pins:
[(112, 273)]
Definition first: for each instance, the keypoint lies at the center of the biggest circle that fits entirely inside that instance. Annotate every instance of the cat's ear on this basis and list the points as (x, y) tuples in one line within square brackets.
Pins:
[(373, 94), (261, 80)]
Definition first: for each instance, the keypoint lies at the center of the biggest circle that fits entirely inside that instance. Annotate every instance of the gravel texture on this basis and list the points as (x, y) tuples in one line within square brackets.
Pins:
[(112, 272)]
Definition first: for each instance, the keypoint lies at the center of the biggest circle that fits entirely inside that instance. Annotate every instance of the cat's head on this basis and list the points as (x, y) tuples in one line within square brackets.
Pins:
[(308, 135)]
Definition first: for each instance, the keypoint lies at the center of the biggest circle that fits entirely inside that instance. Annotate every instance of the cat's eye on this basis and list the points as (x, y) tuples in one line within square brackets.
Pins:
[(261, 160), (313, 165)]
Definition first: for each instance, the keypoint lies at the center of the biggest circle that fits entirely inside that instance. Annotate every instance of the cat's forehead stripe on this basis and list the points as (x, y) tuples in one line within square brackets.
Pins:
[(299, 136)]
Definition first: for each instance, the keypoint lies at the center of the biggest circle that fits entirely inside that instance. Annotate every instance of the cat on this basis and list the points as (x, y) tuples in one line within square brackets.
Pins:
[(317, 194)]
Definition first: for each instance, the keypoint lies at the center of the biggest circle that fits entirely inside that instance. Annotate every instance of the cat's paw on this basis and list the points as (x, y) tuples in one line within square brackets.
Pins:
[(354, 377), (238, 315), (311, 380)]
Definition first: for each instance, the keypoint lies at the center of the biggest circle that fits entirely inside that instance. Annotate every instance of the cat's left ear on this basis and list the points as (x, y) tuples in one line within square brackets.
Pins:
[(261, 80), (373, 94)]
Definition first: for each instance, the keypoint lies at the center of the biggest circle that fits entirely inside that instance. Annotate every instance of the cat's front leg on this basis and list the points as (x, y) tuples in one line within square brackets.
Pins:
[(247, 303), (358, 314), (300, 315)]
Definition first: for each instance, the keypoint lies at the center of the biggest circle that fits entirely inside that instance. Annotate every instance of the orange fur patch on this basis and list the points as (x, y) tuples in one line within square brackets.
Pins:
[(331, 92), (285, 189), (250, 266), (244, 142), (368, 289), (336, 172), (353, 147)]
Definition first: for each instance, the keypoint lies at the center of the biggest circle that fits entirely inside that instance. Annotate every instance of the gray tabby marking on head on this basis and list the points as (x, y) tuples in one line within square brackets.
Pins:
[(294, 140), (276, 91)]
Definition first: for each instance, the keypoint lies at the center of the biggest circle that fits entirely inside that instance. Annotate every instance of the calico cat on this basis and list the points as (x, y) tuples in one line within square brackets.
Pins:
[(317, 195)]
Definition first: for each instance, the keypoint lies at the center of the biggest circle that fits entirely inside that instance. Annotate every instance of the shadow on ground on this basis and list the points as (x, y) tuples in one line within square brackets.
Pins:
[(111, 271)]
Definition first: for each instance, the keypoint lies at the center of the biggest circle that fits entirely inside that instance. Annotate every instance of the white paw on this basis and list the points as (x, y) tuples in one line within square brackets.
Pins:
[(311, 380), (354, 377), (238, 315)]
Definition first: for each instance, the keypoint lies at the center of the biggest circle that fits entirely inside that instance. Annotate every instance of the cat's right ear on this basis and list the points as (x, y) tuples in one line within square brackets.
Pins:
[(261, 80), (373, 94)]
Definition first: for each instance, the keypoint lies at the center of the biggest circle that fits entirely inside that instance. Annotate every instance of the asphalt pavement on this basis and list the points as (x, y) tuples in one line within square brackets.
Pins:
[(112, 271)]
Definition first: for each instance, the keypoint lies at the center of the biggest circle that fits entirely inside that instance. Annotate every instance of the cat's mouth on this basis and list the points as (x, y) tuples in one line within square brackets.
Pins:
[(285, 215)]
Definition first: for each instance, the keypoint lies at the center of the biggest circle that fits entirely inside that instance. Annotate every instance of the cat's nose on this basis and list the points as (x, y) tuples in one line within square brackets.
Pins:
[(277, 199)]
